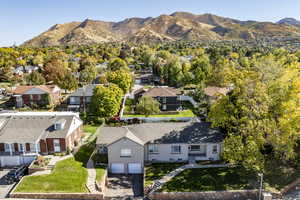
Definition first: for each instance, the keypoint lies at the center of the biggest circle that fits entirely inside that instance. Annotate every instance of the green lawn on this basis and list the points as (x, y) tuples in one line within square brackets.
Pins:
[(90, 130), (184, 113), (69, 176), (212, 179), (85, 152), (100, 170), (157, 171)]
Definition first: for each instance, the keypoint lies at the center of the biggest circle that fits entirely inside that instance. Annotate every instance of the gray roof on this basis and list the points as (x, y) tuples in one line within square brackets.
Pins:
[(31, 128), (163, 133), (86, 91)]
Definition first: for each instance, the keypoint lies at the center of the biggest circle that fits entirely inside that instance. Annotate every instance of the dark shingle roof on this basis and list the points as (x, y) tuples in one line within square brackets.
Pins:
[(164, 133)]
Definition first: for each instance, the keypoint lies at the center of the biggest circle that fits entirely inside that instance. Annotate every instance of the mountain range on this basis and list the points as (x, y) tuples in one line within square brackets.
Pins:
[(177, 26)]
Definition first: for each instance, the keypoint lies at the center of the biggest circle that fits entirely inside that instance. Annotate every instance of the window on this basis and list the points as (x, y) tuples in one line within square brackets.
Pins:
[(32, 147), (195, 148), (164, 107), (215, 149), (73, 100), (38, 97), (21, 147), (176, 149), (153, 148), (164, 99), (6, 147), (125, 152), (31, 97), (88, 99)]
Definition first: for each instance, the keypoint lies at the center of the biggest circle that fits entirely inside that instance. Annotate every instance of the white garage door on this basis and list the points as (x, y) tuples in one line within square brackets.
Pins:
[(134, 168), (10, 161), (117, 168)]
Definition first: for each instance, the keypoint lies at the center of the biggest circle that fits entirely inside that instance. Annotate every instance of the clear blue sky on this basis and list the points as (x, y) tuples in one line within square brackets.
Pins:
[(21, 20)]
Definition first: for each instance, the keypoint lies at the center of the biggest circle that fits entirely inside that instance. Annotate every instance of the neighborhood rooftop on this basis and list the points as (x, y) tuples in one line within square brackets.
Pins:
[(84, 91), (30, 127), (162, 91), (166, 133)]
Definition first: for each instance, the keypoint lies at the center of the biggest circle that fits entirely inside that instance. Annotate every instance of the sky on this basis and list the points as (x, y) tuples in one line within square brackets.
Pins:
[(21, 20)]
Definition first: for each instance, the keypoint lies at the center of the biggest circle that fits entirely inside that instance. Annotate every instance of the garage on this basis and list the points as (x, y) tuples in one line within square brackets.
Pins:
[(134, 168), (9, 161), (117, 168)]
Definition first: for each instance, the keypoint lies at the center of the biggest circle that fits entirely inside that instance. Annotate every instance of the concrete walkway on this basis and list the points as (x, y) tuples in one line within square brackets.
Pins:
[(159, 183), (91, 180), (51, 165)]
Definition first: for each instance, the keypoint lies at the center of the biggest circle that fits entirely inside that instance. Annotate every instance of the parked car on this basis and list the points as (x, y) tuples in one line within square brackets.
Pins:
[(16, 174)]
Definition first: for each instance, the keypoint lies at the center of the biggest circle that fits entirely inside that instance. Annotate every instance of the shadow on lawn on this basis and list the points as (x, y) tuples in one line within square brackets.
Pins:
[(84, 152)]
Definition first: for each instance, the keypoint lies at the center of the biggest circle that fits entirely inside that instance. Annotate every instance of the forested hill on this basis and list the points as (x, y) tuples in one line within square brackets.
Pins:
[(177, 26)]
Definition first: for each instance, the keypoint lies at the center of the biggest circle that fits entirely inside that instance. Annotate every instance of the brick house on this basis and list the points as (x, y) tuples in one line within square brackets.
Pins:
[(36, 95), (25, 135), (168, 97)]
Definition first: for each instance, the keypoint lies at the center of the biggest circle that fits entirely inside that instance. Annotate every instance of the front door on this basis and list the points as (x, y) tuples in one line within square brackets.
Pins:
[(56, 143)]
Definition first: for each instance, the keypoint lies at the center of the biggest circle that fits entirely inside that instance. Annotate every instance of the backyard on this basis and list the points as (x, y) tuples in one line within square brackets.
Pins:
[(184, 113), (90, 131), (212, 179)]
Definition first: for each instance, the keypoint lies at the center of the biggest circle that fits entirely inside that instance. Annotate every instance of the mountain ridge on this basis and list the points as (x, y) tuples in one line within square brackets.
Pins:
[(173, 27)]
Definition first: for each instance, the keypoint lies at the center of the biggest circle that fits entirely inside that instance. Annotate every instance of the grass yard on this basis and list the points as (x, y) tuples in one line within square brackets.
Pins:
[(90, 130), (279, 174), (212, 179), (157, 171), (69, 176), (100, 170), (184, 113), (85, 152)]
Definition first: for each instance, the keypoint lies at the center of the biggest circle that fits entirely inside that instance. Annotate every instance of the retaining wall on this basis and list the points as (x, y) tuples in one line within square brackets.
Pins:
[(214, 195)]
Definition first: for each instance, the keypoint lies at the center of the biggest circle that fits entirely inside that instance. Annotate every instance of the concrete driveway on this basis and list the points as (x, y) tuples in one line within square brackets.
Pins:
[(5, 188), (124, 185)]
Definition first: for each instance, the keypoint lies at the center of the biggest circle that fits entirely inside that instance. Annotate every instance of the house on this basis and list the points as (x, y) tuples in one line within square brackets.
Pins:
[(36, 95), (81, 98), (20, 70), (25, 135), (168, 97), (214, 93), (144, 79), (129, 147)]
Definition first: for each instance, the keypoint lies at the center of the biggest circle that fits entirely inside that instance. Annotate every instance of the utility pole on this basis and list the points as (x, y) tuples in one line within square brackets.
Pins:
[(83, 99), (261, 175)]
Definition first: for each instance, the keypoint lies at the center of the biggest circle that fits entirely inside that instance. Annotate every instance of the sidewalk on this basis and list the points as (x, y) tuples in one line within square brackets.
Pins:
[(91, 180)]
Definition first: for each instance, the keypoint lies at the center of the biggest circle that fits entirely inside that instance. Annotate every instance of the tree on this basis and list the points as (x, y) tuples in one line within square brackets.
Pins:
[(117, 64), (106, 101), (121, 78), (35, 78), (69, 82), (55, 70), (147, 106), (88, 74)]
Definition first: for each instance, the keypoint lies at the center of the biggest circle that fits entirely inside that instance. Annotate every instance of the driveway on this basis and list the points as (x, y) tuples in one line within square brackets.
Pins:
[(124, 185), (5, 188)]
